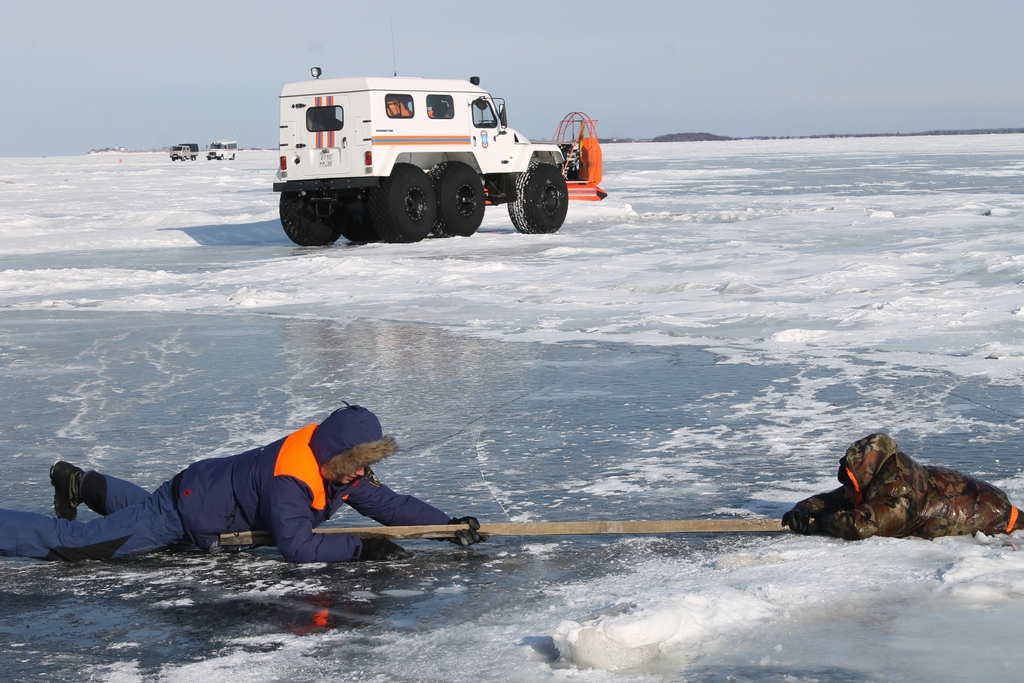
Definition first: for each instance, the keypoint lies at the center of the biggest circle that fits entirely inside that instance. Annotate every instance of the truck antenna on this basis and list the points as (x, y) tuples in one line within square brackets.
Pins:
[(394, 62)]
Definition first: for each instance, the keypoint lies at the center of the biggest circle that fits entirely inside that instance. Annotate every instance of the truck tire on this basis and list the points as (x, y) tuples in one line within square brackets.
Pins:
[(304, 227), (358, 227), (542, 200), (460, 199), (403, 206)]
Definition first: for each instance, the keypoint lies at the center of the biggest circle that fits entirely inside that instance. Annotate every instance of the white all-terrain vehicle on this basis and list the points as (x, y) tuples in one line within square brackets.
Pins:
[(221, 150), (395, 159)]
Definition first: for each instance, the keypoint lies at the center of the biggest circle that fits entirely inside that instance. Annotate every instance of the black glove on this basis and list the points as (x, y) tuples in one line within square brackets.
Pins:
[(465, 537), (798, 520), (823, 515), (381, 549)]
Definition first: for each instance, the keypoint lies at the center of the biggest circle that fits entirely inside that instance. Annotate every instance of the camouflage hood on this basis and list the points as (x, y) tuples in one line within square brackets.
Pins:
[(864, 459)]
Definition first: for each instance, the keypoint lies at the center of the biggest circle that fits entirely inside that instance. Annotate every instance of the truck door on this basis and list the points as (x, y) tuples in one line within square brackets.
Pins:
[(361, 132), (286, 140), (326, 136), (493, 148)]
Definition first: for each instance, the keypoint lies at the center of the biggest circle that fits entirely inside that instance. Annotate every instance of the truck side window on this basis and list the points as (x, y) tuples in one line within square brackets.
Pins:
[(398, 106), (319, 119), (440, 107), (483, 114)]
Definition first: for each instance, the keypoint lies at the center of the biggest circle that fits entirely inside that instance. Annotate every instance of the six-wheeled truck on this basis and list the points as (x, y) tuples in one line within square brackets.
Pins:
[(186, 151), (221, 150), (395, 159)]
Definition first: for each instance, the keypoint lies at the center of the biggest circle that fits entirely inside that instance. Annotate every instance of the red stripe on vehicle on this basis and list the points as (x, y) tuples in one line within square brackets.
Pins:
[(330, 134)]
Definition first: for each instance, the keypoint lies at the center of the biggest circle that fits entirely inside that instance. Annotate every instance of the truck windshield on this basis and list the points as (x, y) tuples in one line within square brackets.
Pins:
[(483, 114)]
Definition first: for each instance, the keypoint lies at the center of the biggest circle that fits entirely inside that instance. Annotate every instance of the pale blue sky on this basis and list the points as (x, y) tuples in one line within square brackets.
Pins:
[(84, 74)]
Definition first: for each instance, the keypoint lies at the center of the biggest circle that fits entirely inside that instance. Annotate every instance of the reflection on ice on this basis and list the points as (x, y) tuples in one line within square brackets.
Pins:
[(543, 432)]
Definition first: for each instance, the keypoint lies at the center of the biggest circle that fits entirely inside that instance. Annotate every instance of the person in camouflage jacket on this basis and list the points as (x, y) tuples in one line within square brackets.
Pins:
[(886, 493)]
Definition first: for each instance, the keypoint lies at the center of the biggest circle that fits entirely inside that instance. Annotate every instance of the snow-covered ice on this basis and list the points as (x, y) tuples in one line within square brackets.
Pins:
[(704, 342)]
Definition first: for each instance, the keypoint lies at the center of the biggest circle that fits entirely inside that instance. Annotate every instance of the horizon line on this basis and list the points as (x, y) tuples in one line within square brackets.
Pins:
[(712, 137)]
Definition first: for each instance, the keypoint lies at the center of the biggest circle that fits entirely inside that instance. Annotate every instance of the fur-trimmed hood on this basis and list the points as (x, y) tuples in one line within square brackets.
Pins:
[(363, 455), (350, 438)]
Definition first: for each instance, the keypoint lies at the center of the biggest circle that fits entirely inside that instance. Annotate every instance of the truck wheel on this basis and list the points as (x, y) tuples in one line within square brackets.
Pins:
[(358, 227), (403, 206), (304, 227), (460, 199), (542, 200)]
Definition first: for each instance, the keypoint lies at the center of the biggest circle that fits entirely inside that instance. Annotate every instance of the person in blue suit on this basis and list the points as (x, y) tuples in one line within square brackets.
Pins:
[(287, 488)]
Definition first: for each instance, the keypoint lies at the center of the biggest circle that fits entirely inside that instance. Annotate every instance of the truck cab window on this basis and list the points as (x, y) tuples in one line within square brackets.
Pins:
[(440, 107), (398, 106), (483, 114), (319, 119)]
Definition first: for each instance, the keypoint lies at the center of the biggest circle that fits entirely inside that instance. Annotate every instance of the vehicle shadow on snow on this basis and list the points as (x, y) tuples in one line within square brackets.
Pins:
[(262, 232)]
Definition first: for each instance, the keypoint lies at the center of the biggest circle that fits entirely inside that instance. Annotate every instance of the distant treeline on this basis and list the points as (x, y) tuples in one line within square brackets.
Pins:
[(672, 137), (703, 137), (689, 137)]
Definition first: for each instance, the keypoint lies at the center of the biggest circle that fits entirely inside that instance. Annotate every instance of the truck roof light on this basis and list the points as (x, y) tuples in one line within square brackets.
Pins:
[(316, 72), (475, 80)]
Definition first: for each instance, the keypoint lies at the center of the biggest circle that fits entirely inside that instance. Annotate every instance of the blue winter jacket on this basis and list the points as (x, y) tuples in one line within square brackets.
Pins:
[(241, 493)]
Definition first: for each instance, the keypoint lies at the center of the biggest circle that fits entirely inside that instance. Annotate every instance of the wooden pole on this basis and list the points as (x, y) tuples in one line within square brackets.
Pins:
[(672, 526)]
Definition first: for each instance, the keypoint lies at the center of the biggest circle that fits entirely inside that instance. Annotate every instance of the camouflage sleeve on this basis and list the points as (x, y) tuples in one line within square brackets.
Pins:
[(831, 499), (887, 514)]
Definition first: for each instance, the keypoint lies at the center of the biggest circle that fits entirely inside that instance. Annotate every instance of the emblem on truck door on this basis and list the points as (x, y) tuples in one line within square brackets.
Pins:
[(483, 139)]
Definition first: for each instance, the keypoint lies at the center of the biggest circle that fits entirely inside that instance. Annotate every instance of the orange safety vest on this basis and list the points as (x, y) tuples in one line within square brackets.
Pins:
[(296, 459)]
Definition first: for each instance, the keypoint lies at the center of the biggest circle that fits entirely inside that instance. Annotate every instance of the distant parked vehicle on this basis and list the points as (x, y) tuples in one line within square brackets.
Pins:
[(221, 150), (185, 151)]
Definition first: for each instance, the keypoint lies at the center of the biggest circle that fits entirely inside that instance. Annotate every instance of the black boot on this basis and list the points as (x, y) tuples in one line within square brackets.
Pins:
[(66, 479)]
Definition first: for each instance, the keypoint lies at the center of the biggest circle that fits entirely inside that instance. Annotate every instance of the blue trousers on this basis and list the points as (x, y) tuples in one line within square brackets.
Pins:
[(134, 521)]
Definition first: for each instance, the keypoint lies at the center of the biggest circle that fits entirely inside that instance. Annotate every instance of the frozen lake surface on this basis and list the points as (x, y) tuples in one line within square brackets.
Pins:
[(703, 343)]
